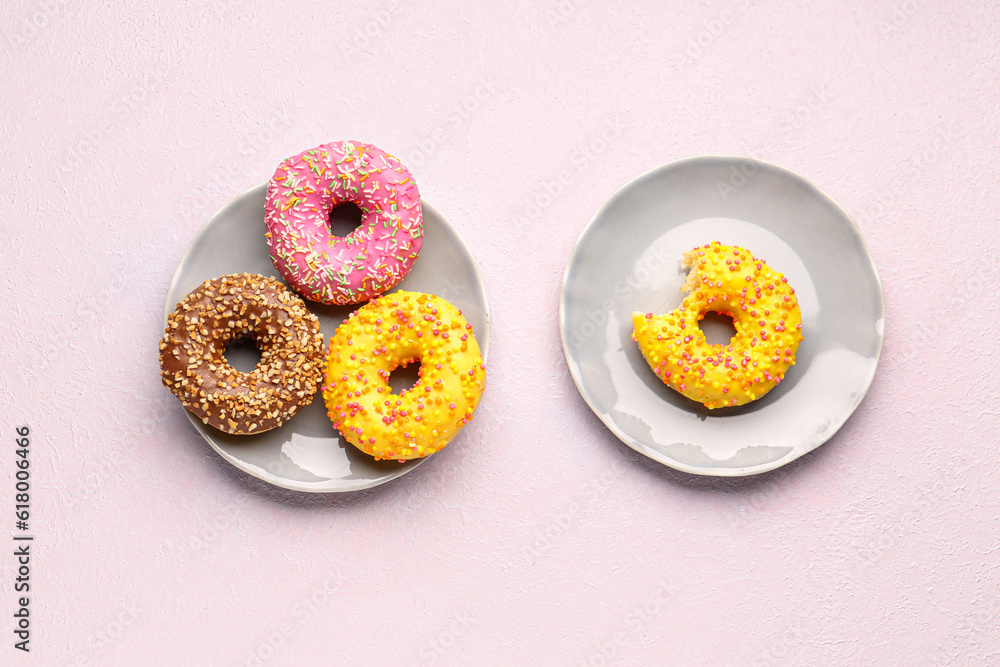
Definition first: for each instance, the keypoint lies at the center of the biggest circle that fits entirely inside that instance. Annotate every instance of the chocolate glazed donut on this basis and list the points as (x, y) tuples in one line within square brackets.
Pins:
[(194, 368)]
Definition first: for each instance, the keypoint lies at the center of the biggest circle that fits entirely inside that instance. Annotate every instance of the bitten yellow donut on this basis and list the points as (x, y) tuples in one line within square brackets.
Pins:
[(389, 332), (731, 281)]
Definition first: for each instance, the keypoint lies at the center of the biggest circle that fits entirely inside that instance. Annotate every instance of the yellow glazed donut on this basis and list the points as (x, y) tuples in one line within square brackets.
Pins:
[(389, 332), (731, 281)]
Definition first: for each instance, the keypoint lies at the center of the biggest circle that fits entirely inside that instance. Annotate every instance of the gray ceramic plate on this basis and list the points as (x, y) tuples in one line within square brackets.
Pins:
[(628, 259), (306, 453)]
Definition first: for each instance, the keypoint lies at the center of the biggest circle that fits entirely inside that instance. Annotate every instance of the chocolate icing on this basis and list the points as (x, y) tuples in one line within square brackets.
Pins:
[(192, 350)]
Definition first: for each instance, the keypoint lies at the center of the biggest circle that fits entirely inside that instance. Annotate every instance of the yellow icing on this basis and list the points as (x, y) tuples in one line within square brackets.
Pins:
[(388, 332), (728, 280)]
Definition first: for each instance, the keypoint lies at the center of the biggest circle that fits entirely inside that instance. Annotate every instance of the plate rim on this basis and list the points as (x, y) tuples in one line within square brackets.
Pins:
[(646, 450), (310, 487)]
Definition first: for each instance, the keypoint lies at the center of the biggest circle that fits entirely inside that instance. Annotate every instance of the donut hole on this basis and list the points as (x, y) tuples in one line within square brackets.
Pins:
[(405, 377), (243, 354), (345, 218), (717, 327)]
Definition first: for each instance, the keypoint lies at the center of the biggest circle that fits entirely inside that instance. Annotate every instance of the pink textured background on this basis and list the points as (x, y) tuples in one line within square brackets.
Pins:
[(536, 537)]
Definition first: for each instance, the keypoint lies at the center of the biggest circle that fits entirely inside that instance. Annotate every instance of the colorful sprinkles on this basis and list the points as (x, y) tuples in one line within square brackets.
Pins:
[(731, 281), (375, 257), (387, 333)]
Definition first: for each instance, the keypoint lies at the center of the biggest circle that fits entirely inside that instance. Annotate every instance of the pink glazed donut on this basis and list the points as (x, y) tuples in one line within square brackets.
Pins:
[(372, 259)]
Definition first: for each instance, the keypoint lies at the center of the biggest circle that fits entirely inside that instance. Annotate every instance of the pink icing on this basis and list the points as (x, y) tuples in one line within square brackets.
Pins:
[(377, 255)]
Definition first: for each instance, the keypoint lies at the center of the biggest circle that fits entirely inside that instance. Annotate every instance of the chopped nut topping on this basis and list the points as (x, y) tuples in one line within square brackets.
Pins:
[(194, 368)]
